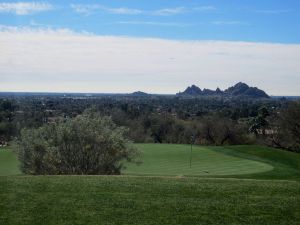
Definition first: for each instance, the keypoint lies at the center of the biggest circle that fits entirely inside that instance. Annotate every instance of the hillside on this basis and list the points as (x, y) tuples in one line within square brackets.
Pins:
[(70, 200), (139, 94), (217, 192)]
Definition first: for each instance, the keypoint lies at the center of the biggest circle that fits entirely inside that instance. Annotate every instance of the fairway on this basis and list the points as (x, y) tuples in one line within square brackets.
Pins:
[(9, 164), (248, 161), (174, 160), (83, 200), (271, 196)]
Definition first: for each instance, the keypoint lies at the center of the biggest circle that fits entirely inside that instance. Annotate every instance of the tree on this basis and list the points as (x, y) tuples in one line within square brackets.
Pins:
[(86, 144), (260, 123), (287, 128), (220, 131)]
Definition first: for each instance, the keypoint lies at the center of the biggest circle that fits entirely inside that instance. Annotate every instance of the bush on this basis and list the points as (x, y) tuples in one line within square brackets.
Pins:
[(86, 144), (286, 128)]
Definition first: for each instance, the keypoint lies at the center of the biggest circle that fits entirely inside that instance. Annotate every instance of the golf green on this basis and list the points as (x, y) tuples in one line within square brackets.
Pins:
[(170, 160)]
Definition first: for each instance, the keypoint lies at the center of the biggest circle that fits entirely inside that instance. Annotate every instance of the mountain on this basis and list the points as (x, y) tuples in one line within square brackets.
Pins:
[(192, 90), (244, 90), (239, 89), (139, 93), (208, 92)]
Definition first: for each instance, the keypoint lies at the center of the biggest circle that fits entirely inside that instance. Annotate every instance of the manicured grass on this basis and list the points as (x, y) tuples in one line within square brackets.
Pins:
[(83, 200), (286, 165), (254, 162), (229, 161), (181, 195), (9, 164)]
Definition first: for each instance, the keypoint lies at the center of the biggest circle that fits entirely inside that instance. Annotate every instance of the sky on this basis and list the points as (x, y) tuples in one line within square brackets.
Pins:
[(158, 46)]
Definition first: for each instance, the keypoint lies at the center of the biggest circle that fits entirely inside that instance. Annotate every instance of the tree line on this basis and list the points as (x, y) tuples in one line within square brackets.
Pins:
[(165, 119)]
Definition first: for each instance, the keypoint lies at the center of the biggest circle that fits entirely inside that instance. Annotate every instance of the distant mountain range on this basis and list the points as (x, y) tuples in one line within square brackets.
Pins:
[(240, 89)]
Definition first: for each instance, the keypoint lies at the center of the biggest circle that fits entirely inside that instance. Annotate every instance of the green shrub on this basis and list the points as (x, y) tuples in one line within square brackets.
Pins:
[(86, 144)]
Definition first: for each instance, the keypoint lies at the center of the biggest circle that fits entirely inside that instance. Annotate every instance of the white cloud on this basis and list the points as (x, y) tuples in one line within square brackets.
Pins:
[(84, 9), (89, 9), (127, 11), (230, 22), (169, 11), (20, 30), (153, 23), (24, 8), (61, 60), (181, 10), (205, 8)]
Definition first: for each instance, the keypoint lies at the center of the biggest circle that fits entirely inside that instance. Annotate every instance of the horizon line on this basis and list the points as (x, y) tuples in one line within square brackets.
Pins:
[(108, 93)]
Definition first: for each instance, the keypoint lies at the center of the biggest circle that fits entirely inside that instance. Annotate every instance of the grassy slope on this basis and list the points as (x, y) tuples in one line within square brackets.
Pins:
[(286, 165), (233, 161), (72, 200), (86, 200), (8, 162), (165, 159)]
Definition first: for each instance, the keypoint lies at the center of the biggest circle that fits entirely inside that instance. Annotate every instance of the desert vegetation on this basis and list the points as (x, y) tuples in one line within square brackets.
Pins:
[(86, 144), (165, 119)]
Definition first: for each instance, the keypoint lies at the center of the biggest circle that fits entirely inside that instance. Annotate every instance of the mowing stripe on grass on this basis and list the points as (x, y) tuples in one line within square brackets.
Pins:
[(166, 159)]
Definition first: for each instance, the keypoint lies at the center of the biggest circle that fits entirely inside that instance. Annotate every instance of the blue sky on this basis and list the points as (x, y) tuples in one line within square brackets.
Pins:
[(153, 46), (235, 20)]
